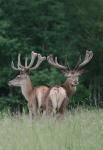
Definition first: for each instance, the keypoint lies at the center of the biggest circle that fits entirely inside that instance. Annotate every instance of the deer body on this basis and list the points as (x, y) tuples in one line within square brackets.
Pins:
[(41, 93), (58, 95), (34, 96)]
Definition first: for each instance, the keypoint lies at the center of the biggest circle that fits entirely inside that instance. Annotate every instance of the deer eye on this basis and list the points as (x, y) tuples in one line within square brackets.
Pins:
[(18, 77)]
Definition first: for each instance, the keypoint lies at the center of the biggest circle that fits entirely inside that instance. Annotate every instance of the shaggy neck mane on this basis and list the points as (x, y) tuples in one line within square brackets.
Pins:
[(70, 90)]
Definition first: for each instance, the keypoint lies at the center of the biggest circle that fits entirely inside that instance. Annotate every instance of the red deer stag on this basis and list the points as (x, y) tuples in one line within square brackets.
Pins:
[(35, 95), (58, 95)]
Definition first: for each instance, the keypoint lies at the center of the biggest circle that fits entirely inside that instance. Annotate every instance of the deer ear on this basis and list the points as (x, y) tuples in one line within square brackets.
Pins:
[(81, 71), (21, 72), (64, 72)]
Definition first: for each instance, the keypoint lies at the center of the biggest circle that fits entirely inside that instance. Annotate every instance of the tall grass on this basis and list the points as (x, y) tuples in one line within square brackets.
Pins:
[(79, 130)]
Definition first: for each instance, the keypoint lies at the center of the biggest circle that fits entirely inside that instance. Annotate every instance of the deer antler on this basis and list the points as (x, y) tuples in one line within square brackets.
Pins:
[(78, 62), (20, 67), (33, 56), (54, 62), (40, 59), (88, 57)]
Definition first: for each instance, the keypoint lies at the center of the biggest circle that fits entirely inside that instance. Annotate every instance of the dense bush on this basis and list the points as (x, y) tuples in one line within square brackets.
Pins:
[(64, 28)]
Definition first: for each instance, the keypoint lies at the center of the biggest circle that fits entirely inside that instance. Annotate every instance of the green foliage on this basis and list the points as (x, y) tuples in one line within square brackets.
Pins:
[(81, 97), (44, 77), (63, 28)]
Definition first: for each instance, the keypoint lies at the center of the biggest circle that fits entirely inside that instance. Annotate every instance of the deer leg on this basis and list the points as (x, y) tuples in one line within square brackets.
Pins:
[(63, 106), (33, 106), (55, 107), (44, 113), (48, 106), (30, 115), (30, 111), (54, 111), (34, 111)]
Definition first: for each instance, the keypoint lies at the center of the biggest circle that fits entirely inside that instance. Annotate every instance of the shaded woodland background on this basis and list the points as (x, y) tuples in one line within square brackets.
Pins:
[(65, 29)]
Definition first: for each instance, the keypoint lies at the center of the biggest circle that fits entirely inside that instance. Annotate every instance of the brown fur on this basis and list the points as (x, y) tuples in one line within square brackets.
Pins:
[(41, 93), (56, 95), (70, 90), (32, 95), (56, 100)]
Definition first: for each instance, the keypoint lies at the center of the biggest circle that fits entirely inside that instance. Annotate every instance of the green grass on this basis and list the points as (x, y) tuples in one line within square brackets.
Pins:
[(80, 130)]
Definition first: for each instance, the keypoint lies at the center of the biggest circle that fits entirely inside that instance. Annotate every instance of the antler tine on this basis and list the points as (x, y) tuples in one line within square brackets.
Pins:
[(55, 63), (40, 59), (88, 57), (67, 63), (33, 56), (56, 60), (50, 59), (78, 62), (26, 62), (20, 66), (13, 67)]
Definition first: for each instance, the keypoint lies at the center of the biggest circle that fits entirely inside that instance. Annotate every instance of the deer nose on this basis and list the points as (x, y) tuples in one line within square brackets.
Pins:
[(76, 82)]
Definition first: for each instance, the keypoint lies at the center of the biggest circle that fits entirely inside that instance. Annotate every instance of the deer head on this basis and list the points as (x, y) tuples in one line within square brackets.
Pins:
[(24, 70), (71, 75)]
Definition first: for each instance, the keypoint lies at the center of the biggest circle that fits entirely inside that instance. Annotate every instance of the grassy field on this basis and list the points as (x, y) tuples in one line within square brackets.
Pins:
[(79, 130)]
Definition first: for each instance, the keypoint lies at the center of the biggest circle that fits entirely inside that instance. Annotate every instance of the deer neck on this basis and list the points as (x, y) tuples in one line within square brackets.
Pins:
[(27, 88), (70, 90)]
